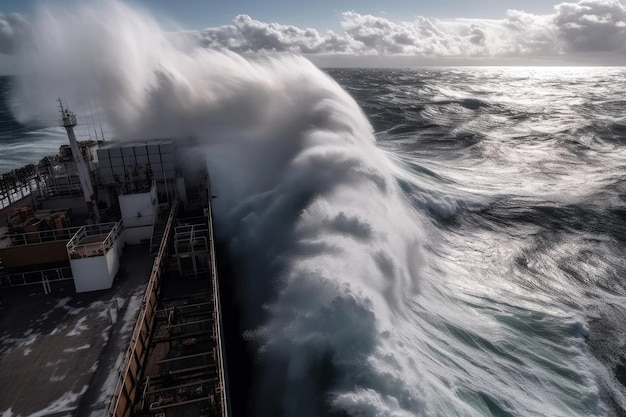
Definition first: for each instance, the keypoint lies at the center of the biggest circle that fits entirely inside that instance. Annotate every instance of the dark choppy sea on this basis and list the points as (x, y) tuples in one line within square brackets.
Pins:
[(519, 175), (21, 144), (500, 291)]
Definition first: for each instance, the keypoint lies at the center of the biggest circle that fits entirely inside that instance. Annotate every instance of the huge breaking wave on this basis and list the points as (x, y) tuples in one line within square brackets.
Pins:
[(335, 285), (330, 249)]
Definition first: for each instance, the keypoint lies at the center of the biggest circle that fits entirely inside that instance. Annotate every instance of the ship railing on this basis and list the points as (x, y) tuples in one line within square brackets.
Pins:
[(43, 276), (126, 390), (191, 238), (17, 184), (184, 363), (15, 194), (60, 190), (196, 394), (221, 358), (45, 236), (81, 246)]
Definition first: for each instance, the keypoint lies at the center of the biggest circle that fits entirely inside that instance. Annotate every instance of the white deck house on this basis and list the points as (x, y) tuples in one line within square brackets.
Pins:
[(94, 253)]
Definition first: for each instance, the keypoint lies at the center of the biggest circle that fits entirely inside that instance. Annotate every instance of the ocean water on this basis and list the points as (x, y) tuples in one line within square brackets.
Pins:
[(517, 177), (424, 242), (460, 255), (24, 143), (485, 277)]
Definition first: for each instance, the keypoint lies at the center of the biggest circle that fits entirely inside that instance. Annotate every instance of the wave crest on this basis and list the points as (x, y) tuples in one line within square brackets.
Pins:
[(329, 248)]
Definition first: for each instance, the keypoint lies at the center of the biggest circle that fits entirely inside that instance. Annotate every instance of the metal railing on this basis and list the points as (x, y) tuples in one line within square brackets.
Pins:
[(18, 184), (221, 359), (77, 248), (46, 236), (191, 238), (125, 392), (35, 277), (59, 190), (127, 389)]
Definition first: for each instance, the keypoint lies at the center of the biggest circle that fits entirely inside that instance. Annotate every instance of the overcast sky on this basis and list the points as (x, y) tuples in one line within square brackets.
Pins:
[(365, 32)]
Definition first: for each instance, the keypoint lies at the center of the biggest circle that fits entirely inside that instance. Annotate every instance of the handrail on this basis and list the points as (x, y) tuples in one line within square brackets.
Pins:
[(35, 277), (218, 317), (112, 231), (35, 238), (191, 238), (58, 190), (153, 285)]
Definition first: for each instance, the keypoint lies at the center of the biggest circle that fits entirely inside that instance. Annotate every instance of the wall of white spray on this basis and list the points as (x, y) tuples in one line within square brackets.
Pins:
[(330, 250)]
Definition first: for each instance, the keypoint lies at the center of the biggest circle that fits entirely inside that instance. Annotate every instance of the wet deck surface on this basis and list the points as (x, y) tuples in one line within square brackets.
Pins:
[(59, 353)]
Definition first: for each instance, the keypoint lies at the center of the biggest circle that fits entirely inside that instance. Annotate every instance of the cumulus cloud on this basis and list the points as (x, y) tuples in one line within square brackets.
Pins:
[(592, 25), (12, 28), (247, 34), (585, 26), (374, 35)]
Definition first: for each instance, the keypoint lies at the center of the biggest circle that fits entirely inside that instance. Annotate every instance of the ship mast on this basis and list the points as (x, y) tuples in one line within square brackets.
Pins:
[(68, 121)]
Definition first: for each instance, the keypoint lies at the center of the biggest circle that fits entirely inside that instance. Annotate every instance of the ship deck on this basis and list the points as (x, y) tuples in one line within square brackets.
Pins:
[(60, 352)]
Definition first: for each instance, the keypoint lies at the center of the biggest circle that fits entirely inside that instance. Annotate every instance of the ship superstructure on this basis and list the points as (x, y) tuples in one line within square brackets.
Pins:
[(81, 210)]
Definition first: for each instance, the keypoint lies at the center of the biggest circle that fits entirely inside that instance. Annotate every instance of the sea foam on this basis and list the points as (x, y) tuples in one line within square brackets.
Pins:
[(330, 250)]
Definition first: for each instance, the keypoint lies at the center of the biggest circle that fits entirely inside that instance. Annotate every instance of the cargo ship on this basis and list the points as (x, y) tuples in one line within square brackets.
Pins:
[(110, 244)]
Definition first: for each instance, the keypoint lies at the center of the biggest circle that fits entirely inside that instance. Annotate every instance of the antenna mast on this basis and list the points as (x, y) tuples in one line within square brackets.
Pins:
[(93, 122), (68, 121), (98, 114)]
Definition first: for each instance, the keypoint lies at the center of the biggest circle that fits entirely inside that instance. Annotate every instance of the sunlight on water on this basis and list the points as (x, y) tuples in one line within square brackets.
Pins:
[(449, 250)]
